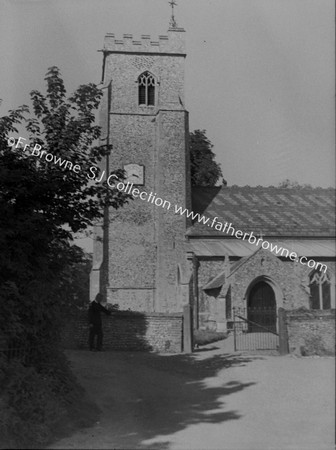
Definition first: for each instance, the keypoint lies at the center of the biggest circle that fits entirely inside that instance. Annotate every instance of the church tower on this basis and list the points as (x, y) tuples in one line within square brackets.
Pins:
[(144, 119)]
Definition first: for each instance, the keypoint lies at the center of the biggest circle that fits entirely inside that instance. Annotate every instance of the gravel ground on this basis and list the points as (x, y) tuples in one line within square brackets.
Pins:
[(213, 399)]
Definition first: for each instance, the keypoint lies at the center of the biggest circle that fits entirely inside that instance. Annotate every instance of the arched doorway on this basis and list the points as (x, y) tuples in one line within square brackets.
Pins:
[(261, 308)]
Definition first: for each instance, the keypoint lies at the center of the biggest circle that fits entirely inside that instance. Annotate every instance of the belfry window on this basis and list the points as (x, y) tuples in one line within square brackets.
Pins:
[(319, 284), (146, 83)]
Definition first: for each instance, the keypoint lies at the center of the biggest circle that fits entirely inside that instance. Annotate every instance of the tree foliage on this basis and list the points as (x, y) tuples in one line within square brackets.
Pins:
[(205, 171), (289, 184), (42, 204), (75, 283)]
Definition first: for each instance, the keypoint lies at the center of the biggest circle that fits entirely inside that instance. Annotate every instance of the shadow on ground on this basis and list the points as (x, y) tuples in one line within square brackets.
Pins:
[(145, 397)]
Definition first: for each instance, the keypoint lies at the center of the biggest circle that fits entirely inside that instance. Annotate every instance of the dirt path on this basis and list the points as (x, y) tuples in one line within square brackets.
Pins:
[(208, 400)]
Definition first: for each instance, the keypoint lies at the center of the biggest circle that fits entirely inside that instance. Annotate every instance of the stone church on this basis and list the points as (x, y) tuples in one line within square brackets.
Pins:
[(153, 259)]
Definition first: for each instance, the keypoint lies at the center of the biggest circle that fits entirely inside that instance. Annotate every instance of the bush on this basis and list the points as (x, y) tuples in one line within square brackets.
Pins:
[(314, 345), (35, 403), (30, 408), (203, 337)]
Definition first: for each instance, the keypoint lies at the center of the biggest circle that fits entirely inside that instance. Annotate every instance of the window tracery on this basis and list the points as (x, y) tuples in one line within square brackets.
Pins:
[(146, 83), (319, 283)]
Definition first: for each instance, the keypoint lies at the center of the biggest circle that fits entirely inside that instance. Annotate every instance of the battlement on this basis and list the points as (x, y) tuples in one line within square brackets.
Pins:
[(173, 42)]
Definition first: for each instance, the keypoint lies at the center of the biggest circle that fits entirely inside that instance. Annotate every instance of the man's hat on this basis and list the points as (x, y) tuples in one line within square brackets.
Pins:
[(99, 297)]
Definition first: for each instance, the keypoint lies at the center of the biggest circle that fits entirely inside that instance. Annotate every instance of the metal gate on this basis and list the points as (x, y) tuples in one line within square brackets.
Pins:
[(257, 332)]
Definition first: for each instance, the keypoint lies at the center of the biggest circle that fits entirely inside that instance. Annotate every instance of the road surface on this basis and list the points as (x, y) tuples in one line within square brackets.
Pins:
[(209, 400)]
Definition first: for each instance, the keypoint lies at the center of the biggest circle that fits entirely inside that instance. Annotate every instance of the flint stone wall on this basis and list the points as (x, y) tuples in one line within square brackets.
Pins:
[(128, 331), (311, 332)]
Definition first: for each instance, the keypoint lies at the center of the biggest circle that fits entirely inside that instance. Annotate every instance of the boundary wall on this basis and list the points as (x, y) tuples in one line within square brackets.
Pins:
[(128, 331), (311, 332)]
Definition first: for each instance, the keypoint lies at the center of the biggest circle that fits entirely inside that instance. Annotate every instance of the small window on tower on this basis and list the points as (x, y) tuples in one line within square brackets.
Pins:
[(146, 84)]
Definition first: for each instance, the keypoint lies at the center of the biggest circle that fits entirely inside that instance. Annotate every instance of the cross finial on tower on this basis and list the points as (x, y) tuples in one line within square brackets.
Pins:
[(172, 23)]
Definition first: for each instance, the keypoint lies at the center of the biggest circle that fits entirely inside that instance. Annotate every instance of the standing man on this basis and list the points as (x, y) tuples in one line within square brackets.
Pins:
[(95, 322)]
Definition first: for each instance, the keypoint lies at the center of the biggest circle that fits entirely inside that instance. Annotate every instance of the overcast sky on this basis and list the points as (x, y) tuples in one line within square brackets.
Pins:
[(259, 73)]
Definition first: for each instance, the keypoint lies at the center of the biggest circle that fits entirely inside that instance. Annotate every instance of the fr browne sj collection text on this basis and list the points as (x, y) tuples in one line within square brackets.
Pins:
[(157, 201), (37, 151)]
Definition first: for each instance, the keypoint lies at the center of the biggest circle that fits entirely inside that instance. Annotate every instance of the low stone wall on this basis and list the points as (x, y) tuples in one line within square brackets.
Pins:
[(311, 332), (128, 331)]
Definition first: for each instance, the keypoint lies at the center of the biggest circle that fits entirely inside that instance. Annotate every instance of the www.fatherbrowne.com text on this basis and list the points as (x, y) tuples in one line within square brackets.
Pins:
[(218, 226), (157, 201)]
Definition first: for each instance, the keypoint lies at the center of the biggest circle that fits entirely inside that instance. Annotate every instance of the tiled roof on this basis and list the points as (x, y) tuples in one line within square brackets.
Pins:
[(271, 211)]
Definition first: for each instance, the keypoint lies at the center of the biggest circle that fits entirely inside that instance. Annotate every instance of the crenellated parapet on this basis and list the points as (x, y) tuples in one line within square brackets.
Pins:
[(173, 43)]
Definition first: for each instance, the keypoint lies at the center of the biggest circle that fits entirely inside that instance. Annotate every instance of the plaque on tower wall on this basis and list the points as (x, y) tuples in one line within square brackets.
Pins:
[(135, 173)]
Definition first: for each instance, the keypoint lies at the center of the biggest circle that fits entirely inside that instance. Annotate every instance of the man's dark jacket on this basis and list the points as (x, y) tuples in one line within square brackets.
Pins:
[(94, 313)]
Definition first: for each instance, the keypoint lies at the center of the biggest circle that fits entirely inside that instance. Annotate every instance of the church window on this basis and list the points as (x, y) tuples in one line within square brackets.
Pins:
[(320, 297), (146, 83)]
